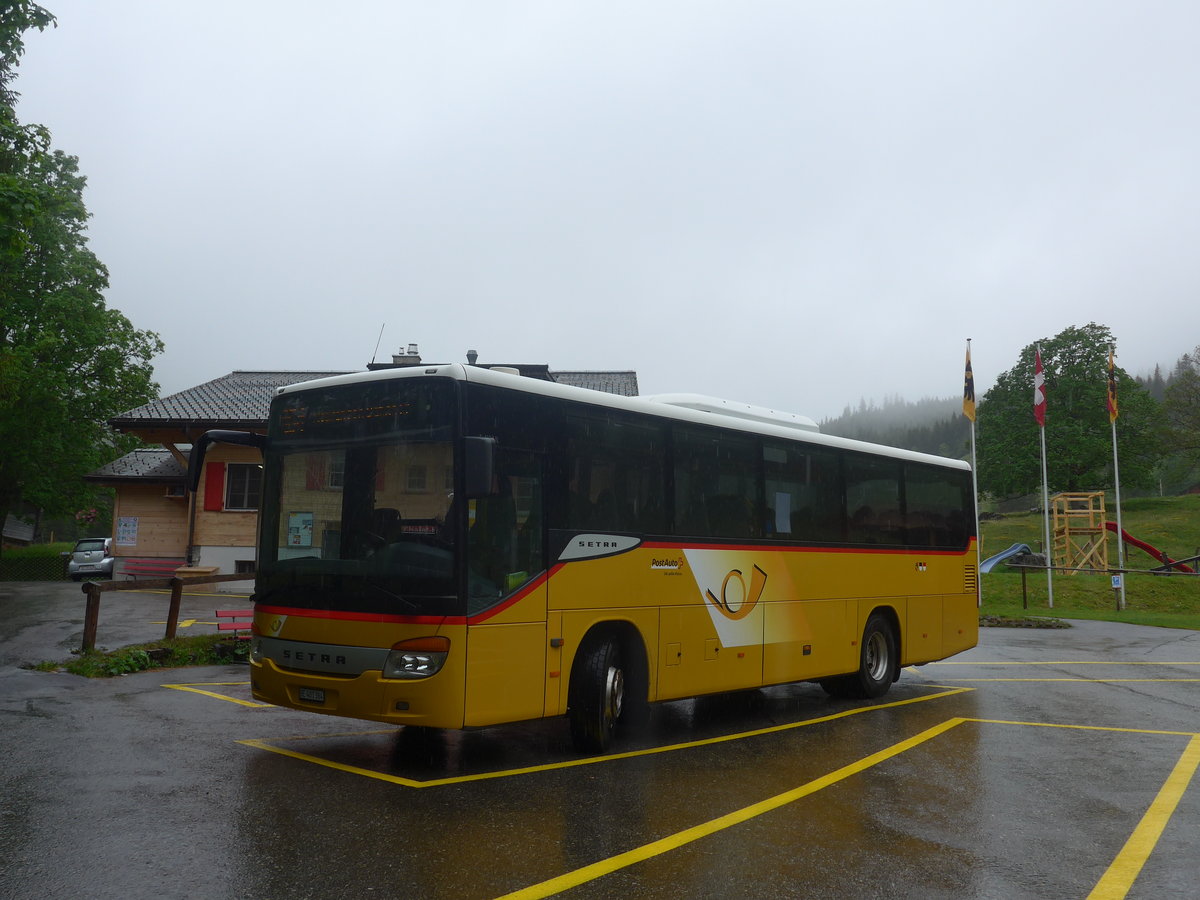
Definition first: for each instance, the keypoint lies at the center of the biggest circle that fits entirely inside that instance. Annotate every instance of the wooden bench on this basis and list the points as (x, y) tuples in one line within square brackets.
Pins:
[(238, 621), (151, 568)]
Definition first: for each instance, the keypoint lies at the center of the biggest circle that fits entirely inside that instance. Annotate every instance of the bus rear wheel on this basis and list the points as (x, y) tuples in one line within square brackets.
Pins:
[(877, 663), (597, 695)]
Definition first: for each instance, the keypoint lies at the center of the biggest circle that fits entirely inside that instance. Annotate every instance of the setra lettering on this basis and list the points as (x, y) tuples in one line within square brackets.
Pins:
[(323, 658)]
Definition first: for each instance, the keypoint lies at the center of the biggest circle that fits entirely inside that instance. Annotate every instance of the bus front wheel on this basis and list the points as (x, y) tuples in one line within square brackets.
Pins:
[(597, 695), (877, 662)]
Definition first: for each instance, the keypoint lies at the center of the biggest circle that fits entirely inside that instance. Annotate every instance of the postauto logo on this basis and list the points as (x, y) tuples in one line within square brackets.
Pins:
[(731, 584), (736, 600)]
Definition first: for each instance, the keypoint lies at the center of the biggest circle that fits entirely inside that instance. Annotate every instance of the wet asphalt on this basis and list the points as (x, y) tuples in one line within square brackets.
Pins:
[(1027, 767)]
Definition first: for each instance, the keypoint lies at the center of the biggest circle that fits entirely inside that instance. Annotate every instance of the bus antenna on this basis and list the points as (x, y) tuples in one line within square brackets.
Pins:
[(377, 340)]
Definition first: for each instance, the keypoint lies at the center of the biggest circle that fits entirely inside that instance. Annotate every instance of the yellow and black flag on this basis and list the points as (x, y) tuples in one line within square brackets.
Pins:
[(1112, 388), (969, 389)]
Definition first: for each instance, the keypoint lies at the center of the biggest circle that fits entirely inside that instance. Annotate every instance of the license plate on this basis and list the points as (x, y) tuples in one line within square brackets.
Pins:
[(312, 695)]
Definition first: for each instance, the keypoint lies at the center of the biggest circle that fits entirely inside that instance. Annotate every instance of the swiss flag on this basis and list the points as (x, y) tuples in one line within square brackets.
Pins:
[(1039, 389)]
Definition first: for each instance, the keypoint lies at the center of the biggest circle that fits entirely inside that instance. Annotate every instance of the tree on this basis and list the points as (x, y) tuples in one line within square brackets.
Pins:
[(1155, 385), (1182, 407), (1078, 435), (68, 363)]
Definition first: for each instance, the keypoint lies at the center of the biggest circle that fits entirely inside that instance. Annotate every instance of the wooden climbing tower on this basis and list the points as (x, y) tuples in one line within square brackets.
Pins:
[(1080, 538)]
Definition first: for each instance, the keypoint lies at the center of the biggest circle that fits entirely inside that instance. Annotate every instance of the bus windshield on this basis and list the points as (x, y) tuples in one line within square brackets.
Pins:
[(358, 510)]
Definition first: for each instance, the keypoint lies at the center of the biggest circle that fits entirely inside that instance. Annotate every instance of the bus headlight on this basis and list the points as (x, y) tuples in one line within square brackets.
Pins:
[(416, 657), (256, 653)]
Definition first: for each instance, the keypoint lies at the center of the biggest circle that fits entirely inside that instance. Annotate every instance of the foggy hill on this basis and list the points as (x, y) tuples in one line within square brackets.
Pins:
[(931, 425)]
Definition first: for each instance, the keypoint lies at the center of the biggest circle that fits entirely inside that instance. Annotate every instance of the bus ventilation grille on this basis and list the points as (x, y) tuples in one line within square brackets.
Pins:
[(971, 580)]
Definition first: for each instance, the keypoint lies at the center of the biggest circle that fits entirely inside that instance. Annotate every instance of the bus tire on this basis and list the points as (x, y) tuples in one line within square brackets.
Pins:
[(596, 696), (876, 664)]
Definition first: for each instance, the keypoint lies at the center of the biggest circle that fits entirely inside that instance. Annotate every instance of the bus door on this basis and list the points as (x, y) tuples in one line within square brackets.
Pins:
[(506, 604)]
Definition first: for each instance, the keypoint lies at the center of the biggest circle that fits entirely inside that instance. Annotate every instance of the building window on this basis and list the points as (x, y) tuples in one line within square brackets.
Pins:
[(243, 486), (336, 471), (416, 479)]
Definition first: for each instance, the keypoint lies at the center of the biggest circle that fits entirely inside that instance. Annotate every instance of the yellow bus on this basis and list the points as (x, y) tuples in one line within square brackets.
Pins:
[(455, 547)]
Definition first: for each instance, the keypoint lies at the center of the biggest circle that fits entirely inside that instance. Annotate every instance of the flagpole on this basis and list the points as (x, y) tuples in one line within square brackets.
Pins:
[(1120, 529), (978, 535), (1039, 413), (969, 412), (1046, 526), (1112, 418)]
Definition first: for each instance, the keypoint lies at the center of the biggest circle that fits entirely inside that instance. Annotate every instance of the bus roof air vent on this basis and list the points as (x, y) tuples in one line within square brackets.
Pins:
[(735, 410)]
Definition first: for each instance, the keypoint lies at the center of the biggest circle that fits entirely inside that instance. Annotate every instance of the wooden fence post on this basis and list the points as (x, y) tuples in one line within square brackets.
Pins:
[(93, 590), (91, 616), (173, 613)]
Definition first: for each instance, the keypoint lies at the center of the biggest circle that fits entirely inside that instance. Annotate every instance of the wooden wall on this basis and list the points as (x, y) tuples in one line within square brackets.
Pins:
[(161, 521), (225, 529)]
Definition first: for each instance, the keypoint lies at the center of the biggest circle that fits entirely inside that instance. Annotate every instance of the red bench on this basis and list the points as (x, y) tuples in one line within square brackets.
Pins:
[(153, 568), (239, 622)]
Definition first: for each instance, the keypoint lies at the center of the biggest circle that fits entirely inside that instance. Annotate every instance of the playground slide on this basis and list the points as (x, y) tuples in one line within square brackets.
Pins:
[(1014, 550), (1153, 551)]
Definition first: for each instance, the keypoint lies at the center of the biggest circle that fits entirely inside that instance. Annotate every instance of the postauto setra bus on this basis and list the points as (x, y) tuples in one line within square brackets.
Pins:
[(454, 547)]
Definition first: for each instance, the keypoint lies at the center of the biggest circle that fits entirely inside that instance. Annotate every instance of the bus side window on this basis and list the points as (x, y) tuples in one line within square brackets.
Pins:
[(803, 488), (504, 543), (934, 502), (614, 472), (873, 500), (716, 484)]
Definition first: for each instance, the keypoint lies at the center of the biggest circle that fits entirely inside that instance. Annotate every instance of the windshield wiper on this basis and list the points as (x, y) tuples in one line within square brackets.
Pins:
[(411, 605)]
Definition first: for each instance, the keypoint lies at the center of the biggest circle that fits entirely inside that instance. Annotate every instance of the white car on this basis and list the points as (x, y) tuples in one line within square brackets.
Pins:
[(91, 558)]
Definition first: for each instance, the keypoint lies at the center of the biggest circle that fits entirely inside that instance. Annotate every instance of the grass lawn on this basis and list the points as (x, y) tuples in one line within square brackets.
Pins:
[(1171, 524)]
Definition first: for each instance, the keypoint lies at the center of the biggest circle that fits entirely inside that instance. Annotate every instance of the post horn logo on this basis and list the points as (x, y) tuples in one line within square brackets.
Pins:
[(737, 602)]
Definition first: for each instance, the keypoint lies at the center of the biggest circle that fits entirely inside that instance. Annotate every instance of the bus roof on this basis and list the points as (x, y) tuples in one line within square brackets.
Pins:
[(694, 408)]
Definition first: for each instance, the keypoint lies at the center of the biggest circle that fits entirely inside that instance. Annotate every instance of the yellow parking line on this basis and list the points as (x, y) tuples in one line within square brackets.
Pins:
[(224, 595), (1064, 662), (342, 767), (1120, 876), (688, 835), (262, 744), (1114, 885), (186, 623), (1086, 680), (195, 689), (1084, 727)]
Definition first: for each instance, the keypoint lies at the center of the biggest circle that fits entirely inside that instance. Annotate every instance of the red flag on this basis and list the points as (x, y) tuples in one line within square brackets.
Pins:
[(1039, 389)]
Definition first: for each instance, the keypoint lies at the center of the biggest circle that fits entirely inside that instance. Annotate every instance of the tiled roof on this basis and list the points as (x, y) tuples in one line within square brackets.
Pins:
[(243, 398), (145, 465), (239, 398), (623, 384)]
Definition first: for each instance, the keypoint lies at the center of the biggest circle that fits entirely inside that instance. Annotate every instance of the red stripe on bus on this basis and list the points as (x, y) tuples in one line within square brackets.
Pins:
[(345, 616), (515, 598), (911, 551)]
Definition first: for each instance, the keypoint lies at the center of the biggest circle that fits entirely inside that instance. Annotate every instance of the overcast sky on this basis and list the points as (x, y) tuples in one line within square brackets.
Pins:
[(793, 204)]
